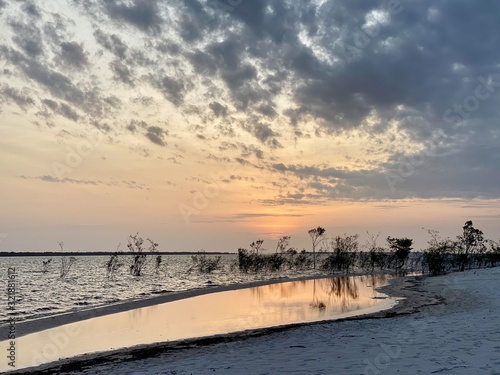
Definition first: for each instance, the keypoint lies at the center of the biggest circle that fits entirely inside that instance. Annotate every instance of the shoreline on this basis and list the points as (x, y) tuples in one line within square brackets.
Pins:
[(408, 288), (26, 327)]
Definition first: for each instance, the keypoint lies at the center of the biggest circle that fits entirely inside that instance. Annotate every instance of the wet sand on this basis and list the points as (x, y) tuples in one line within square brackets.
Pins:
[(412, 289)]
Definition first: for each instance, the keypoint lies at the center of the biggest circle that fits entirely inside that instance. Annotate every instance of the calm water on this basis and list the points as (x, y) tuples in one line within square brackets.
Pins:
[(209, 314), (42, 293)]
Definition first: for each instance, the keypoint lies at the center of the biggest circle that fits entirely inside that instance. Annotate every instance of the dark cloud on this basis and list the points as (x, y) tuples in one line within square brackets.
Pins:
[(74, 54), (122, 73), (156, 135), (143, 14), (283, 72), (68, 112), (27, 37), (30, 8), (263, 133), (174, 90), (20, 97), (51, 104), (218, 109), (112, 43), (135, 125)]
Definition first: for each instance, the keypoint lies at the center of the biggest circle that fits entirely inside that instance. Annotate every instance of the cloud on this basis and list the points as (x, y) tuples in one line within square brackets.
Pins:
[(112, 43), (289, 74), (112, 183), (218, 109), (143, 14), (74, 54), (20, 97), (28, 37), (122, 73), (156, 135), (174, 90), (243, 217)]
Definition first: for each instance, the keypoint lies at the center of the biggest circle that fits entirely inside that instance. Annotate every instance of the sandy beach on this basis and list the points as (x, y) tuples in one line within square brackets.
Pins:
[(447, 325)]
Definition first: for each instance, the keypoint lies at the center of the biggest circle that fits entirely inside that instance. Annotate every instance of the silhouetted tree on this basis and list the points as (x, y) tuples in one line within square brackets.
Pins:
[(139, 253), (471, 242), (316, 235), (344, 252), (401, 248)]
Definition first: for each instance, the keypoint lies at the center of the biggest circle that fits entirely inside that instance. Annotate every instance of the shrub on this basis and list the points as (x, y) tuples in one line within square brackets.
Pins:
[(252, 261), (206, 264), (400, 250), (66, 263), (344, 254), (471, 243), (112, 265), (139, 253), (45, 264)]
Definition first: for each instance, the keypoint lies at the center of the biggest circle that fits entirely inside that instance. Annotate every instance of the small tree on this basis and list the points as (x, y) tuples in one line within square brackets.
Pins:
[(437, 257), (66, 262), (471, 242), (343, 256), (45, 264), (113, 263), (283, 244), (375, 255), (205, 264), (139, 253), (158, 262), (401, 248), (316, 235), (256, 246)]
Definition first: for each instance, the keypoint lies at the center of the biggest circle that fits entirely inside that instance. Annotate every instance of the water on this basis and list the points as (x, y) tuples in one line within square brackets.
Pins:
[(206, 315), (45, 293)]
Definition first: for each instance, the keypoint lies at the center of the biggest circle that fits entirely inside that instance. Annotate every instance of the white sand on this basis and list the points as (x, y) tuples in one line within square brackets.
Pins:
[(459, 336)]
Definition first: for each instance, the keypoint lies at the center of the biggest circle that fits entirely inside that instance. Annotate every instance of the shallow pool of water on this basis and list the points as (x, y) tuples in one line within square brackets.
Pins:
[(206, 315)]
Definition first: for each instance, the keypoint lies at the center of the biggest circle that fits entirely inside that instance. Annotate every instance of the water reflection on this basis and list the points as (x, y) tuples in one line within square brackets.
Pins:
[(210, 314)]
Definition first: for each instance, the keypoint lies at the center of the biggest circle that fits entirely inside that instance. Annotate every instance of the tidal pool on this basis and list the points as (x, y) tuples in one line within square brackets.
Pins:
[(206, 315)]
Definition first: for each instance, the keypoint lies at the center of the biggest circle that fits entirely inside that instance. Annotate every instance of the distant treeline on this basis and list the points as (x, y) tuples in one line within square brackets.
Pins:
[(96, 253)]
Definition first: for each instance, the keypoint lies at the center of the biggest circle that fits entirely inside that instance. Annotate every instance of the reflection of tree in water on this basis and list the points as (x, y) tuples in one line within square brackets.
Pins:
[(316, 302), (375, 280), (343, 290), (281, 290)]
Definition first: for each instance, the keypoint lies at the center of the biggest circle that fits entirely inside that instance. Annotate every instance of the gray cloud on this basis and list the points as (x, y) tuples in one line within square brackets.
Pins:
[(122, 73), (143, 14), (174, 90), (344, 68), (156, 135), (74, 54), (125, 183), (112, 43), (20, 97), (28, 38)]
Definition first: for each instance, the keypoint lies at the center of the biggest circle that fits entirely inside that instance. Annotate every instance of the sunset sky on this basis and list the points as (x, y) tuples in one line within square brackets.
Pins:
[(210, 124)]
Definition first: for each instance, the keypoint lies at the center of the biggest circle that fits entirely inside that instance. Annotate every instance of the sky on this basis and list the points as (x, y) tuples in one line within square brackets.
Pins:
[(207, 124)]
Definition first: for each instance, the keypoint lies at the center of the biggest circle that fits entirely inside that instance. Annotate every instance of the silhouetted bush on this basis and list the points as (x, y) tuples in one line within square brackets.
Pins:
[(205, 264), (344, 254), (400, 250), (139, 253)]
